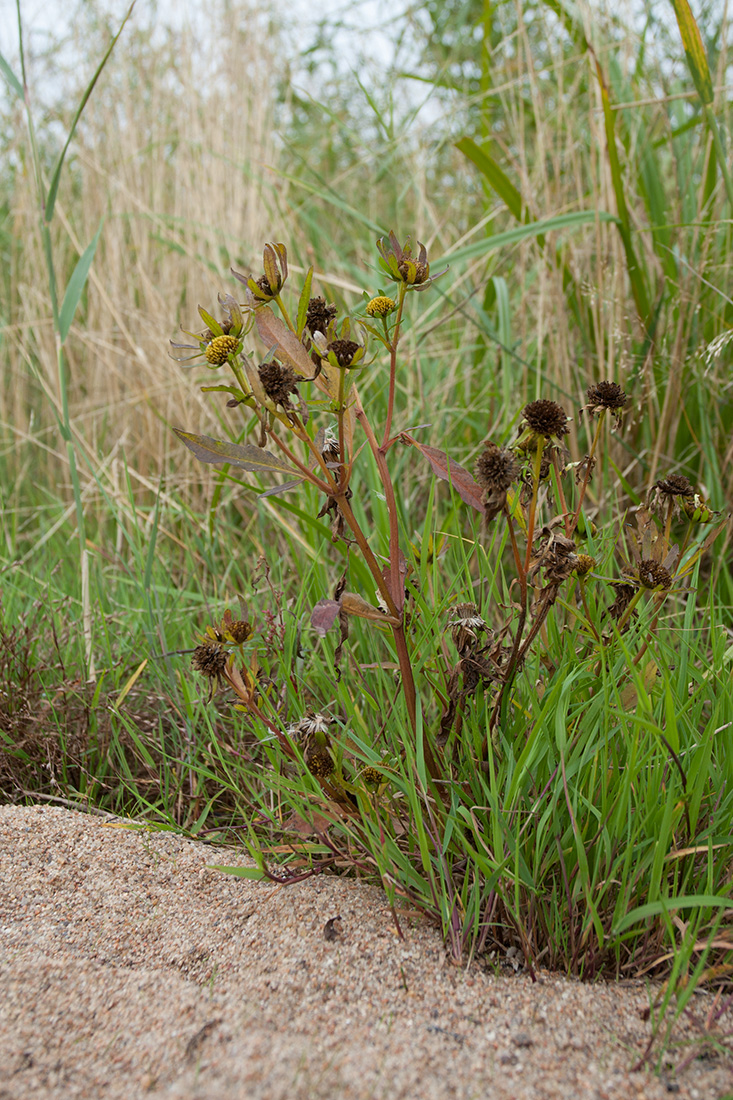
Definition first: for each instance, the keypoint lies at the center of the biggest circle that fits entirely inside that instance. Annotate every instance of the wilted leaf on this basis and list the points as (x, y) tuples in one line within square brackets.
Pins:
[(324, 615), (354, 604), (244, 455), (445, 468)]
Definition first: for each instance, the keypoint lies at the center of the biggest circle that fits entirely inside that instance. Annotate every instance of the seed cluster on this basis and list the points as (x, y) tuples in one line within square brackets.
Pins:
[(319, 315), (219, 350), (344, 350), (546, 418), (278, 382)]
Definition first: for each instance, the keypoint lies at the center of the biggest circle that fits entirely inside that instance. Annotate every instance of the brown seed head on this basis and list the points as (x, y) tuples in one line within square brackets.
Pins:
[(320, 764), (319, 315), (654, 575), (496, 468), (209, 659), (344, 350), (278, 382), (372, 776), (675, 485), (240, 631), (606, 395), (585, 564), (219, 349), (546, 418)]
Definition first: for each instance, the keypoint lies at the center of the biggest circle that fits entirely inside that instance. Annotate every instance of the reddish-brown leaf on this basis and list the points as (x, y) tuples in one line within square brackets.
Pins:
[(444, 467), (324, 615)]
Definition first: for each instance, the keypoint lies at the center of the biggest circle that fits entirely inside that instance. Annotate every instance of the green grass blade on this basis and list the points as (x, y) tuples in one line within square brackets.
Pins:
[(56, 175), (11, 78), (76, 285)]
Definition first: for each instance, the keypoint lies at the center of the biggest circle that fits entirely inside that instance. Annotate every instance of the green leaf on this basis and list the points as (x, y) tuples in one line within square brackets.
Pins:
[(304, 301), (654, 908), (11, 78), (498, 179), (238, 872), (76, 285), (245, 455), (523, 232), (697, 61), (56, 176)]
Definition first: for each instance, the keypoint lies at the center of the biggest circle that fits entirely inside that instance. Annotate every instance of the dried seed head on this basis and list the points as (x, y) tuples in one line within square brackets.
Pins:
[(675, 485), (607, 395), (320, 764), (209, 659), (654, 575), (381, 306), (345, 351), (319, 315), (219, 349), (496, 468), (545, 419), (466, 624), (585, 564), (278, 382), (624, 595), (372, 776), (240, 631)]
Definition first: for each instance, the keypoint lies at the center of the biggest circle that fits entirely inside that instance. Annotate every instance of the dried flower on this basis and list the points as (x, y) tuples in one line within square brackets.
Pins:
[(669, 493), (278, 382), (584, 564), (466, 624), (210, 659), (320, 764), (496, 468), (652, 574), (339, 348), (624, 595), (606, 397), (381, 306), (399, 263), (319, 315), (543, 420)]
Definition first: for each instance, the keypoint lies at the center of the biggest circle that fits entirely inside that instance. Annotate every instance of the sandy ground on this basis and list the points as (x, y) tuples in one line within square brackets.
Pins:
[(129, 969)]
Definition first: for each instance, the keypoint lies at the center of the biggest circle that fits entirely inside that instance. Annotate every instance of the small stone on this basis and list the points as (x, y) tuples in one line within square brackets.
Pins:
[(522, 1039)]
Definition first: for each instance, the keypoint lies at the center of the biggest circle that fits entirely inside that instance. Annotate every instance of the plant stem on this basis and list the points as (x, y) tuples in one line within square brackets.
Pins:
[(393, 367)]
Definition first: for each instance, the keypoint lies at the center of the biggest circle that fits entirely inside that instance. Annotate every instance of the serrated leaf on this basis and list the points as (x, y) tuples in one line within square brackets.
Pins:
[(244, 455), (446, 469), (76, 285)]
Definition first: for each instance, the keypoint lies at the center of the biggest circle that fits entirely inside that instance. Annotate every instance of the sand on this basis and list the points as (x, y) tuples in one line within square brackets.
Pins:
[(131, 969)]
